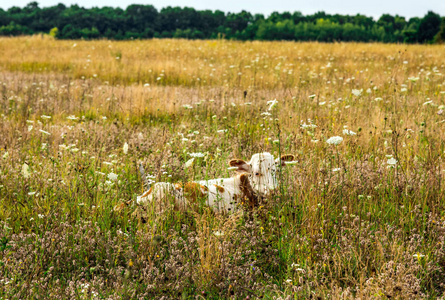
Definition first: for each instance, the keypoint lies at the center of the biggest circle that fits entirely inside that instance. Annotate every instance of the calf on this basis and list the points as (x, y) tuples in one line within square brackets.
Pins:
[(255, 179)]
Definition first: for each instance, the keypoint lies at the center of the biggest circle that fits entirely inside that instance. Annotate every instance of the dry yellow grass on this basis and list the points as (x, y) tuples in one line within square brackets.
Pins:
[(344, 224)]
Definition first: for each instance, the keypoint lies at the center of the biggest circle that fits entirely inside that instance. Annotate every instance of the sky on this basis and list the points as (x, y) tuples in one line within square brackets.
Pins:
[(373, 8)]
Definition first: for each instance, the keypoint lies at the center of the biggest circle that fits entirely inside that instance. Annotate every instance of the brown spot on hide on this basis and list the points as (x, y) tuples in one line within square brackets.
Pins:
[(147, 192), (240, 164), (194, 191), (122, 205), (236, 162), (247, 191), (286, 157), (219, 188), (119, 206)]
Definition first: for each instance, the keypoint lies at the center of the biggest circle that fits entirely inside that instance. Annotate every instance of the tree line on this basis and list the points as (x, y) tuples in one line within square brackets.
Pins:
[(145, 21)]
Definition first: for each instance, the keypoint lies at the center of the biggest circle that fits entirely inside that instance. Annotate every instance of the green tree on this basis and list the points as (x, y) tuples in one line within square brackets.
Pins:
[(54, 32), (139, 17), (440, 36), (13, 29), (429, 26)]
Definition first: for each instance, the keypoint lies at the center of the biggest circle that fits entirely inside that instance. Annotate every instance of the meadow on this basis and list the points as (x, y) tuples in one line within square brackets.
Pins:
[(363, 219)]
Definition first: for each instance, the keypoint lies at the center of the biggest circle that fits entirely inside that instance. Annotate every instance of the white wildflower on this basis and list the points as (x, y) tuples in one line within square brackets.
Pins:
[(272, 104), (25, 170), (403, 90), (72, 117), (125, 148), (305, 126), (44, 132), (336, 169), (218, 233), (112, 176), (357, 92), (45, 117), (335, 140), (266, 113), (6, 155), (413, 79), (197, 154), (299, 270), (391, 162), (189, 163), (348, 132), (312, 96), (418, 255), (222, 131), (31, 193), (30, 127), (41, 216), (291, 163)]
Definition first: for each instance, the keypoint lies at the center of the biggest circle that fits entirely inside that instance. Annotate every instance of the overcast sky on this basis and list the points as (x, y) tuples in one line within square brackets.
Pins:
[(374, 8)]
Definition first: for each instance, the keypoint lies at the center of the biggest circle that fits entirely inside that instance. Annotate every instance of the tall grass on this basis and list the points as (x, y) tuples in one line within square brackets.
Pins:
[(346, 222)]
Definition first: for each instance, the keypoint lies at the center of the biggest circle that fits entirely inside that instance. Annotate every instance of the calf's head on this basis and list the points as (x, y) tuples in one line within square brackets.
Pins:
[(262, 169)]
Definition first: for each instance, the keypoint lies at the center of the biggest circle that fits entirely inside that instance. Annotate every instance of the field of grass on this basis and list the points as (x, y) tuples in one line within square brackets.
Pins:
[(362, 219)]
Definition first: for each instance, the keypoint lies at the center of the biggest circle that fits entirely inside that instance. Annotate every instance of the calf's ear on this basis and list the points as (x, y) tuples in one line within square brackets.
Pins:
[(240, 164), (284, 158)]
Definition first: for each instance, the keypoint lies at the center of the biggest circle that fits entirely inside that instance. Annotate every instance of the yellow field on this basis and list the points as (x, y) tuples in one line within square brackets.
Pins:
[(361, 219)]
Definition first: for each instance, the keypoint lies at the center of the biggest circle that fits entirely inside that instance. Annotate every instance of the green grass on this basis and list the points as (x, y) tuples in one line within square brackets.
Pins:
[(343, 223)]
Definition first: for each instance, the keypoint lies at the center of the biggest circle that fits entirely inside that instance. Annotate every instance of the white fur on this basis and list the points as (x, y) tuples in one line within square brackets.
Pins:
[(261, 168)]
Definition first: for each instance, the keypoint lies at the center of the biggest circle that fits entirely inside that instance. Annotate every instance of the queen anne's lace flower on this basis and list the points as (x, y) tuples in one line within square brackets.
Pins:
[(335, 140), (348, 132), (392, 161), (25, 170), (112, 176), (197, 154)]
